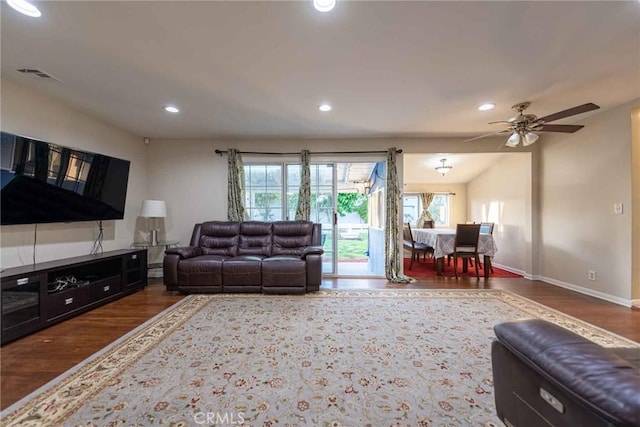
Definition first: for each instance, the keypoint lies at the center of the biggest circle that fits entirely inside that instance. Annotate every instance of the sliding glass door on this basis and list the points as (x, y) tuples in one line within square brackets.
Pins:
[(341, 195)]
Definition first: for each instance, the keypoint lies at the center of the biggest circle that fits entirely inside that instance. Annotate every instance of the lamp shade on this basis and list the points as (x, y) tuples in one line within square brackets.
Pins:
[(513, 140), (529, 138), (153, 209)]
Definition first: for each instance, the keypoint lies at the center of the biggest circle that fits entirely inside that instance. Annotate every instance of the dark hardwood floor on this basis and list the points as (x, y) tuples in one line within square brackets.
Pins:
[(32, 361)]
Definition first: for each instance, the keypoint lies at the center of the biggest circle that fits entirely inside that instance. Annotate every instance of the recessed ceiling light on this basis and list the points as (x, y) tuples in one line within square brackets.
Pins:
[(325, 107), (324, 5), (25, 7), (171, 109), (487, 106)]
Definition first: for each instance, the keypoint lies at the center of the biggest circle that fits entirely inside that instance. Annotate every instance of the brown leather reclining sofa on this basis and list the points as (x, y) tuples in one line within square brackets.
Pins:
[(545, 375), (251, 256)]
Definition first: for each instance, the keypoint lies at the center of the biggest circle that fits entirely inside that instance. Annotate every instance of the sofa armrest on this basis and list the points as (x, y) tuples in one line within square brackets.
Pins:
[(185, 252), (594, 375), (170, 271), (312, 250)]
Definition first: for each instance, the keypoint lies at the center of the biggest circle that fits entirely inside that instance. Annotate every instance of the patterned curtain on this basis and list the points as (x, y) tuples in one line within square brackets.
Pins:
[(303, 211), (425, 215), (392, 251), (235, 193)]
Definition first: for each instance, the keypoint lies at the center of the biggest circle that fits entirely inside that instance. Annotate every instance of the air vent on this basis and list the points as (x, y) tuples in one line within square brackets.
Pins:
[(36, 72)]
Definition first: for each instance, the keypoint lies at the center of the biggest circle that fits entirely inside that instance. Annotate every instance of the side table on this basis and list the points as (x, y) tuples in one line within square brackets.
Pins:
[(146, 245)]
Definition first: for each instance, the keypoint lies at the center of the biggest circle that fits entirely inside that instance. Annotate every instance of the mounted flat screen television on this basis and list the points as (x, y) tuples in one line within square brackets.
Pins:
[(43, 182)]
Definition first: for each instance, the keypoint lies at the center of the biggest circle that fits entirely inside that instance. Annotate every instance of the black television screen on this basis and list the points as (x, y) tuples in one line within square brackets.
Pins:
[(43, 182)]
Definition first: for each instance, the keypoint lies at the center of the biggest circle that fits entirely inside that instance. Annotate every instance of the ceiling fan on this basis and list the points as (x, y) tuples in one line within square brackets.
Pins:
[(523, 126)]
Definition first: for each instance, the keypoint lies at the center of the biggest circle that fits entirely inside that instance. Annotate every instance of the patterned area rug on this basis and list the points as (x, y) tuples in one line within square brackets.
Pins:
[(333, 358)]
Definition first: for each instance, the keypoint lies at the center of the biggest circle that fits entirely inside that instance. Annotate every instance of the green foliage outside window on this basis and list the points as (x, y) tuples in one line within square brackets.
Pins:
[(264, 202), (353, 202)]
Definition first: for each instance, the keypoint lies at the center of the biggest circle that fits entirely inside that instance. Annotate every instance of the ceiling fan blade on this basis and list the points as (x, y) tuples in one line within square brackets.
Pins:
[(570, 112), (485, 135), (500, 121), (560, 128)]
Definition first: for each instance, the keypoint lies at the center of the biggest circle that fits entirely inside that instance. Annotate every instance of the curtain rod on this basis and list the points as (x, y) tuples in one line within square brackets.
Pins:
[(221, 152)]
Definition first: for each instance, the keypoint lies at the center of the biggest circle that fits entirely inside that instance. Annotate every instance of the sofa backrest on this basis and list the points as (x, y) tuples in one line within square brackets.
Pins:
[(219, 238), (255, 238), (291, 237)]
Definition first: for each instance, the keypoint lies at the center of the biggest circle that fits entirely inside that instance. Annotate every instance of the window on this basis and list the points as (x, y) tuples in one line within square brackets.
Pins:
[(263, 192), (439, 209), (321, 191), (268, 199)]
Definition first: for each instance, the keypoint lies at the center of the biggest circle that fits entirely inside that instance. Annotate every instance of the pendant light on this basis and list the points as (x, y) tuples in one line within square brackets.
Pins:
[(443, 169)]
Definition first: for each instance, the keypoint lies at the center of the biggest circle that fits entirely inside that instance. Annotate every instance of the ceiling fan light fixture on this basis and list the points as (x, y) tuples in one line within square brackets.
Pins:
[(529, 138), (513, 140), (443, 169)]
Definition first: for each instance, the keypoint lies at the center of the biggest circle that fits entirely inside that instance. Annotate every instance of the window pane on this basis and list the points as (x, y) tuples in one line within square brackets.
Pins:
[(439, 209), (263, 192), (411, 208)]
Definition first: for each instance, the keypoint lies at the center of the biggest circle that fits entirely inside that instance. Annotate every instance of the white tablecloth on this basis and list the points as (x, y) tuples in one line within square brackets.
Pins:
[(442, 240)]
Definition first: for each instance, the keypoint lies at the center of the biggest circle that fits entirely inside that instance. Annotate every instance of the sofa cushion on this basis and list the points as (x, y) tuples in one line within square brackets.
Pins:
[(205, 270), (291, 237), (255, 238), (219, 238), (243, 270), (284, 271)]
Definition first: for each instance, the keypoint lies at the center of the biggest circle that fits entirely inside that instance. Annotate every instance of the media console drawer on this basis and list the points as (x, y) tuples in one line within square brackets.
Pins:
[(66, 301), (105, 288)]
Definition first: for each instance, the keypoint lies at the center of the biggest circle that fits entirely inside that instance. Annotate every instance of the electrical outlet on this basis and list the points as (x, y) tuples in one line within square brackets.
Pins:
[(592, 275), (617, 208)]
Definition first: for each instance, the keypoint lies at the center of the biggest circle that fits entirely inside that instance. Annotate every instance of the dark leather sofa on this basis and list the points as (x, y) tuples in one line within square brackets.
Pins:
[(251, 256), (545, 375)]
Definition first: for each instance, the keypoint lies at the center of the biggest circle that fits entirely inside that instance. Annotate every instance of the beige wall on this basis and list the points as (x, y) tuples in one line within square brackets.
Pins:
[(502, 195), (582, 175), (28, 113)]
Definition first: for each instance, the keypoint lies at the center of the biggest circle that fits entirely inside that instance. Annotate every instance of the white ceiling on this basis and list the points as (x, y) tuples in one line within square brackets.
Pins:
[(420, 168), (259, 69)]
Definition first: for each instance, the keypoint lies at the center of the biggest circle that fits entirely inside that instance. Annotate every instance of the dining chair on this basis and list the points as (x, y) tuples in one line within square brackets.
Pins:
[(486, 228), (449, 257), (466, 245), (416, 248)]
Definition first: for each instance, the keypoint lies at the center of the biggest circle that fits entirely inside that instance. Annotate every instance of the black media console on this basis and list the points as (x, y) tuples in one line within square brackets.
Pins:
[(39, 295)]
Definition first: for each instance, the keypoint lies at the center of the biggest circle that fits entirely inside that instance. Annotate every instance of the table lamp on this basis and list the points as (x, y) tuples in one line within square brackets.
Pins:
[(153, 209)]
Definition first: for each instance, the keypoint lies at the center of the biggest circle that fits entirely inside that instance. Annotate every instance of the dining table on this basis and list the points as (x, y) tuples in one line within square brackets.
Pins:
[(442, 241)]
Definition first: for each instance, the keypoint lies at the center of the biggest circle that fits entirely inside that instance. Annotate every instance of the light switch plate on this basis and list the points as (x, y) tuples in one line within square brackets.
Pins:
[(617, 208)]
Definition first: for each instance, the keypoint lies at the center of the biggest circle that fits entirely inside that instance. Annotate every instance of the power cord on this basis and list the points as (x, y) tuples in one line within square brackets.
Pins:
[(97, 245)]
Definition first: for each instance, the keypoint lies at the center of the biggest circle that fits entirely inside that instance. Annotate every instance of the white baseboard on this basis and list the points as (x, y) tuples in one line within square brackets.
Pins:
[(512, 270), (572, 287), (587, 291)]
